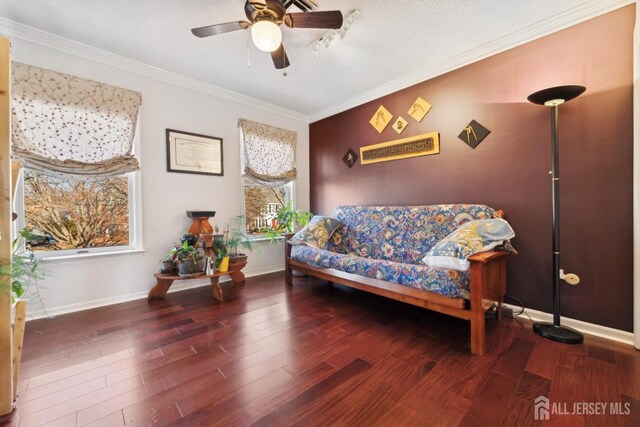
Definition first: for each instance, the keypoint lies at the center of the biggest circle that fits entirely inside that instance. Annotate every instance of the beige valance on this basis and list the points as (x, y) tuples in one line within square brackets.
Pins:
[(269, 153), (71, 127)]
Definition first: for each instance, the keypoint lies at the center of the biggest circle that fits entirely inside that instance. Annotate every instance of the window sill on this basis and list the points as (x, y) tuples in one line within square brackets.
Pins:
[(89, 255), (263, 239)]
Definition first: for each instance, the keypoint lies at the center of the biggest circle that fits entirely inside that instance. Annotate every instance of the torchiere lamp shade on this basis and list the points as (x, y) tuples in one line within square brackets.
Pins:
[(559, 93)]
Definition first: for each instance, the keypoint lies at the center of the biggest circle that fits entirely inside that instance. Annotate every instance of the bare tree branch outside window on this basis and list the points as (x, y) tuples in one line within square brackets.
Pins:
[(67, 214)]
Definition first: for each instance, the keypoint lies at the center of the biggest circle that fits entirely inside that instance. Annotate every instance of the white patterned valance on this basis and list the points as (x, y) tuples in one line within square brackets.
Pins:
[(70, 127), (269, 153)]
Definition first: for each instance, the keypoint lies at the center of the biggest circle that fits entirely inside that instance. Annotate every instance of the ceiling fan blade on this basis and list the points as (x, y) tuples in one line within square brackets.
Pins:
[(212, 30), (325, 19), (280, 59)]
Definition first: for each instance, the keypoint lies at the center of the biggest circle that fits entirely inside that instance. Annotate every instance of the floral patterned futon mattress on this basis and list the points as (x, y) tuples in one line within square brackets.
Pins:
[(389, 242)]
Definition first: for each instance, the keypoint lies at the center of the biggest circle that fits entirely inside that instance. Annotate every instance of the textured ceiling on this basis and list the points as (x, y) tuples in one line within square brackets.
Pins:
[(388, 40)]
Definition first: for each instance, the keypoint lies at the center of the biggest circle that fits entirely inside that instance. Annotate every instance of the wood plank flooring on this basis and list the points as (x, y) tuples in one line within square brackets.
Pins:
[(315, 354)]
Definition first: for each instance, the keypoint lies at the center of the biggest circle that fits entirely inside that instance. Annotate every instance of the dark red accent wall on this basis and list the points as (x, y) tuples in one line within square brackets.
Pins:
[(510, 169)]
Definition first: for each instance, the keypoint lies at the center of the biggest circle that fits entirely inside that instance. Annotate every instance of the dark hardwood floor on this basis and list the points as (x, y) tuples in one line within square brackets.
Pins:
[(314, 354)]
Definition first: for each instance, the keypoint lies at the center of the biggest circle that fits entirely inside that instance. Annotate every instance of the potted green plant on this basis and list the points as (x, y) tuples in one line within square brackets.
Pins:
[(24, 268), (286, 222), (189, 260), (234, 240), (221, 253), (168, 264)]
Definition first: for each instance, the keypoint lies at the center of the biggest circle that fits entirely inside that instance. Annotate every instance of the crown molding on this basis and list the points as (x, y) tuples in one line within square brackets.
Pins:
[(532, 32), (591, 9), (15, 30)]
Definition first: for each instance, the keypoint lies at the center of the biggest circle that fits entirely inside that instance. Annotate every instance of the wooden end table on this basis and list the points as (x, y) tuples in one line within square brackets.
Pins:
[(164, 282)]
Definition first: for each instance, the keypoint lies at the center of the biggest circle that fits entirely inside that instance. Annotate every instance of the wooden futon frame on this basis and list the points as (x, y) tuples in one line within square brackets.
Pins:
[(488, 285)]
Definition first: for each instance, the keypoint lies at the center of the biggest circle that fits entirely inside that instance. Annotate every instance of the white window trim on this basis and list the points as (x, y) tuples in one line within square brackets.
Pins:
[(70, 257), (135, 218)]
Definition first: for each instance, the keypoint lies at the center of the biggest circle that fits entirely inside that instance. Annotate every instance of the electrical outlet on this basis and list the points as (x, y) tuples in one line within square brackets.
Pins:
[(492, 313)]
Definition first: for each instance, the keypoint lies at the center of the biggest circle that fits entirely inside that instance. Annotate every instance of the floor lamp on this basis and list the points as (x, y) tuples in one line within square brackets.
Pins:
[(553, 97)]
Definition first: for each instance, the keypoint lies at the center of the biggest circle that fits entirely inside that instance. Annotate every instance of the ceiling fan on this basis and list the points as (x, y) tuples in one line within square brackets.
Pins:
[(265, 18)]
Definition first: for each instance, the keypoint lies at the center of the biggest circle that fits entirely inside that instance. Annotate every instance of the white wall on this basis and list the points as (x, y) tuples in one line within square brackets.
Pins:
[(82, 283)]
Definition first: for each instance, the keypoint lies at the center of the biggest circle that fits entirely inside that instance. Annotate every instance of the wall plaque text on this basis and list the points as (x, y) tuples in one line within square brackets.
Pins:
[(421, 145)]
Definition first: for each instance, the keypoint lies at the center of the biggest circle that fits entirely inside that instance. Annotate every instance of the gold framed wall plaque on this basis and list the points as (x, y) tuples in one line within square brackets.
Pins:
[(421, 145)]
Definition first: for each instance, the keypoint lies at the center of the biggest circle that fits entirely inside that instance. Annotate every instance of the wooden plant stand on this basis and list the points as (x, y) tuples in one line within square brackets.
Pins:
[(164, 282)]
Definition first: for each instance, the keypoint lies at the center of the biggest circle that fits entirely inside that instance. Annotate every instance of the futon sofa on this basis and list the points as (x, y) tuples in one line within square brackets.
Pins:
[(379, 249)]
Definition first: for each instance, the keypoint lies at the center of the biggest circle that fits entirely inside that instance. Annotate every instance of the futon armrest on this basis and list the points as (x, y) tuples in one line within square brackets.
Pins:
[(287, 246), (484, 257)]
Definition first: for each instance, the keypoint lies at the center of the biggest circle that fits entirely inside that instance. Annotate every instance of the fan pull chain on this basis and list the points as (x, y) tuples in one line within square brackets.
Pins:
[(284, 61), (248, 50)]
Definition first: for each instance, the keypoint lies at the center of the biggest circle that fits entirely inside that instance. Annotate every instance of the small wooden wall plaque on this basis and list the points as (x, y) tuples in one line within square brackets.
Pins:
[(350, 158), (381, 119), (473, 134), (419, 109)]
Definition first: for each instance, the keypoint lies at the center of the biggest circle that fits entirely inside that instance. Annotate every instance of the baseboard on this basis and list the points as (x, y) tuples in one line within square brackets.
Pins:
[(584, 327), (176, 287), (536, 315)]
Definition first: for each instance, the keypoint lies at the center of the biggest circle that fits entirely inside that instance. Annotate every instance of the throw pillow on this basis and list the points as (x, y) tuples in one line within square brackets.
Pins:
[(468, 239), (317, 233)]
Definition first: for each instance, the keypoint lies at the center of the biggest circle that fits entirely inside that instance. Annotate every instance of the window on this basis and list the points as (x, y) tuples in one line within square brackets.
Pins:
[(262, 203), (71, 215), (269, 170), (75, 139)]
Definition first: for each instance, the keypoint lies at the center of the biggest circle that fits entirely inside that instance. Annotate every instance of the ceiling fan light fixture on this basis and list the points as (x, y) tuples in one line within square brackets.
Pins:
[(266, 35)]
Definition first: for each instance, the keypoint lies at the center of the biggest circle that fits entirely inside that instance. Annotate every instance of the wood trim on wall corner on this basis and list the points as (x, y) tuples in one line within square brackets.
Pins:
[(6, 336), (636, 180)]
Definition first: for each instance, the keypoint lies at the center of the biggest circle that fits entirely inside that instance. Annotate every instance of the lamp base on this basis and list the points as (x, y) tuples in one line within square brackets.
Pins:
[(558, 333)]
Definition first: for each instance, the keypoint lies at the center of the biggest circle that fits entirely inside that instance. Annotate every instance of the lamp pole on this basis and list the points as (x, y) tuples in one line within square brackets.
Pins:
[(553, 97), (555, 218)]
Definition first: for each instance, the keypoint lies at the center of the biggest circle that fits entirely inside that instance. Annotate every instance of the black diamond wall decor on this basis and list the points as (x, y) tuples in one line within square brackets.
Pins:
[(350, 158), (473, 134)]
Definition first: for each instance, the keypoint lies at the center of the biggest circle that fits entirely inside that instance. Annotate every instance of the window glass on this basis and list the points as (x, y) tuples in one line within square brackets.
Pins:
[(68, 214), (261, 203)]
